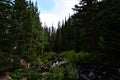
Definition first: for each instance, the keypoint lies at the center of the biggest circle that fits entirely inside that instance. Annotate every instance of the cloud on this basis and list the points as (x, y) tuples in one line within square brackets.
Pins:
[(61, 10), (48, 18)]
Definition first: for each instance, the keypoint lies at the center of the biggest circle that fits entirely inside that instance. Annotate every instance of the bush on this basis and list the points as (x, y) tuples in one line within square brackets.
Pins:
[(18, 74), (70, 72), (37, 61), (56, 73), (46, 56), (33, 75), (67, 72), (70, 56), (21, 73), (92, 58), (85, 57)]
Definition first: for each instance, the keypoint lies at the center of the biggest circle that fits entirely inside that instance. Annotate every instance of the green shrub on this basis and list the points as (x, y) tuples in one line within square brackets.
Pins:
[(70, 56), (33, 75), (17, 74), (46, 56), (20, 73), (70, 72), (16, 62), (56, 73), (92, 58), (67, 72), (85, 57), (37, 61)]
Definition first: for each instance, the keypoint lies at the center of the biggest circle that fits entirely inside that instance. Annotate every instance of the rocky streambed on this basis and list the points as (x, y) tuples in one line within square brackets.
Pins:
[(84, 71), (89, 71), (98, 72)]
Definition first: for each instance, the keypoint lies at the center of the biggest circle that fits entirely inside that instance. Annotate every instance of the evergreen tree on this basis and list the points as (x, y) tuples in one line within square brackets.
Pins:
[(31, 38), (109, 20), (6, 41), (21, 18), (58, 40), (87, 30), (21, 33)]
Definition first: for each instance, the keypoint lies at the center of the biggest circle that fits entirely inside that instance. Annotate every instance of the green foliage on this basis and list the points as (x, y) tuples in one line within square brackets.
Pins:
[(85, 57), (37, 61), (21, 32), (70, 72), (56, 73), (70, 56), (92, 58), (94, 28), (33, 75), (16, 62), (21, 73), (67, 72), (6, 62), (46, 56), (110, 31), (17, 74)]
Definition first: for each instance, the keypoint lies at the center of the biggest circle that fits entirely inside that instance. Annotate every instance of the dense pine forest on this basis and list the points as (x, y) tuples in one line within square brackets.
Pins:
[(30, 51)]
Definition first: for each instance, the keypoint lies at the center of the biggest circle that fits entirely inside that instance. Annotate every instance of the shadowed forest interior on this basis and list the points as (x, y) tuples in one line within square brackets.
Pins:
[(86, 46)]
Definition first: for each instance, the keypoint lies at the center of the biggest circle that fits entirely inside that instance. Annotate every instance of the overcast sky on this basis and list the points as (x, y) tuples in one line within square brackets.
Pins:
[(52, 11)]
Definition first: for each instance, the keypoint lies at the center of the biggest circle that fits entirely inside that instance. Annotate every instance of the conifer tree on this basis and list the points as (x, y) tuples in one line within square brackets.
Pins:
[(6, 41), (87, 30)]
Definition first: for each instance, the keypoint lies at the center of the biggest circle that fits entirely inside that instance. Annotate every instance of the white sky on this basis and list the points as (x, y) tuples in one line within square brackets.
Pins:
[(58, 12)]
